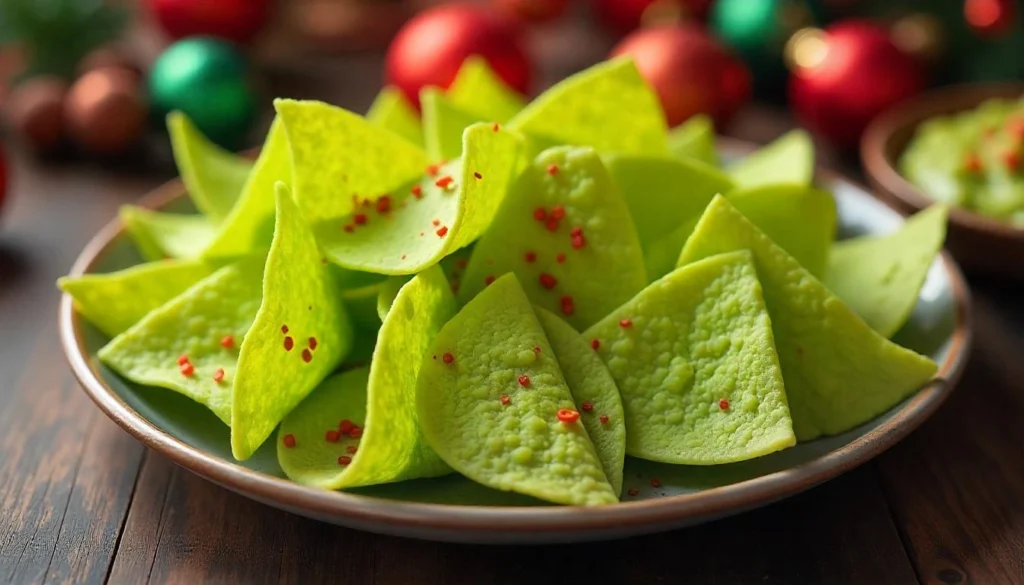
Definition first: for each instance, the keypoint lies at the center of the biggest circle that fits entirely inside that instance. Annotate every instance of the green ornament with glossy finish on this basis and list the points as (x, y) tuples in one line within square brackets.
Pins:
[(207, 79)]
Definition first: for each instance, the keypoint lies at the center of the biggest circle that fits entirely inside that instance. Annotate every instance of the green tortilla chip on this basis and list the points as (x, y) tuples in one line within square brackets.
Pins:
[(695, 139), (664, 194), (594, 392), (839, 373), (788, 159), (300, 335), (800, 219), (117, 300), (161, 235), (478, 89), (338, 156), (193, 325), (880, 276), (250, 225), (694, 359), (391, 111), (443, 124), (213, 176), (489, 401), (601, 265), (415, 232), (387, 293), (608, 106)]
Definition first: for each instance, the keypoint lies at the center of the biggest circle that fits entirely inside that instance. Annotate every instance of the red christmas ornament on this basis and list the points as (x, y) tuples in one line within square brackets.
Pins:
[(233, 20), (990, 18), (431, 47), (623, 16), (691, 72), (533, 11), (844, 76)]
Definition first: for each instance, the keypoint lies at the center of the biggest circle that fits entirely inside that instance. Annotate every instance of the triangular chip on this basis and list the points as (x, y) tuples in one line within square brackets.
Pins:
[(494, 405), (160, 235), (608, 106), (443, 124), (788, 159), (446, 210), (115, 301), (213, 176), (694, 359), (800, 219), (594, 392), (300, 334), (338, 156), (479, 90), (391, 111), (694, 138), (880, 276), (839, 373), (566, 233), (190, 344)]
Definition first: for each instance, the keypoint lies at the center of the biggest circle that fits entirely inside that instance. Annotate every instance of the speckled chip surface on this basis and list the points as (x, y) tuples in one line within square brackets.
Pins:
[(694, 359), (566, 233), (838, 372), (492, 401)]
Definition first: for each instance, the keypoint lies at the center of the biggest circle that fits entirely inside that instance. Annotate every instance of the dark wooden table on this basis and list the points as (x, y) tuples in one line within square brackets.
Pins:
[(82, 502)]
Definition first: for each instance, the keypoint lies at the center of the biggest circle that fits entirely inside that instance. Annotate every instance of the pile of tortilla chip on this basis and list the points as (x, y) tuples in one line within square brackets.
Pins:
[(521, 293)]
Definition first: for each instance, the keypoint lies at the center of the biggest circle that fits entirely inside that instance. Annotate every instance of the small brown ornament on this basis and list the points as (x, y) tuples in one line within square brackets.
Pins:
[(34, 110), (105, 111)]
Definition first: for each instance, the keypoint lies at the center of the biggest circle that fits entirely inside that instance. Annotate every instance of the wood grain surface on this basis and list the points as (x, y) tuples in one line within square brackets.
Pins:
[(82, 502)]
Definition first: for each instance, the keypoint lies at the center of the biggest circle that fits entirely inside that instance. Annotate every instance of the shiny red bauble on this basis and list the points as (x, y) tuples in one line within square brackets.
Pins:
[(691, 72), (431, 47), (846, 75), (990, 18), (623, 16), (234, 20)]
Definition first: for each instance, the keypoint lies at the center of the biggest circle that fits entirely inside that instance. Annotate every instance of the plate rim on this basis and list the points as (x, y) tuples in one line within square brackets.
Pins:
[(397, 516)]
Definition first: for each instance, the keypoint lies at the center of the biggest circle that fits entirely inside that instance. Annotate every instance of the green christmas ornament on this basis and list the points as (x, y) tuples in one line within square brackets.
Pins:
[(208, 80)]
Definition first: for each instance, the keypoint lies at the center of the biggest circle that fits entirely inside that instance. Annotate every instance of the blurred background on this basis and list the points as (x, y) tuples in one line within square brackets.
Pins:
[(90, 80)]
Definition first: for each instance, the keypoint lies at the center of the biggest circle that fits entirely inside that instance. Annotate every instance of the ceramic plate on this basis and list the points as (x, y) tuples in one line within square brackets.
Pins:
[(455, 509)]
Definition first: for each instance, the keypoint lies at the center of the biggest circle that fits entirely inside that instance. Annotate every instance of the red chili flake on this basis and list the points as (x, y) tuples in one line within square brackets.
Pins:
[(421, 234), (655, 482), (558, 212), (603, 418), (1012, 160), (587, 406), (349, 228), (218, 376), (530, 256), (448, 358), (288, 440), (417, 191), (444, 182), (227, 341), (568, 415), (595, 344), (332, 436), (384, 204), (495, 127), (187, 369), (560, 258), (367, 202), (568, 307), (355, 433), (972, 163), (633, 491), (307, 356), (442, 231), (432, 170), (436, 222), (551, 224), (723, 404), (488, 279), (547, 281), (626, 323), (359, 218), (183, 359), (524, 381), (577, 241), (462, 263), (289, 343), (505, 399), (351, 449), (284, 329), (344, 460), (540, 214), (312, 343), (552, 170), (346, 426), (536, 349), (576, 231), (478, 175)]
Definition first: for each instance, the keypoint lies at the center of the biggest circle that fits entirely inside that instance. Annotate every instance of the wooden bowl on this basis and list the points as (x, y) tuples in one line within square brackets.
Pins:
[(983, 245)]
